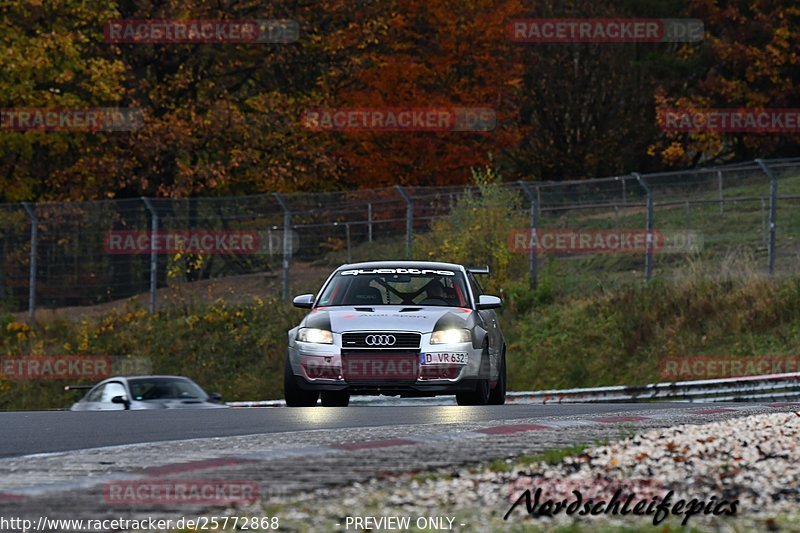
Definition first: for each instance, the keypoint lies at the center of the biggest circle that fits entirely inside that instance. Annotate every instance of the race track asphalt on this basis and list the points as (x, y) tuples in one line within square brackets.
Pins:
[(23, 433)]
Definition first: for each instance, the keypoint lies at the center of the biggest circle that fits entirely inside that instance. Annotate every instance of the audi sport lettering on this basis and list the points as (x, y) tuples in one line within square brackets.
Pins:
[(412, 271)]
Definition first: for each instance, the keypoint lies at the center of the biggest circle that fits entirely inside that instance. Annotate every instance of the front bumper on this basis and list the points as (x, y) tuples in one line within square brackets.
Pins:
[(405, 372)]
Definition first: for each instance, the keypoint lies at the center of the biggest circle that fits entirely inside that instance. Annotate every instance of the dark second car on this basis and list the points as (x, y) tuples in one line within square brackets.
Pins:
[(402, 328), (147, 392)]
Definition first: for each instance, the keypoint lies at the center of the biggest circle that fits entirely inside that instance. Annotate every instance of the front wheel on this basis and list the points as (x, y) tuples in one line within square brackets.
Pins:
[(292, 393), (498, 394), (480, 396)]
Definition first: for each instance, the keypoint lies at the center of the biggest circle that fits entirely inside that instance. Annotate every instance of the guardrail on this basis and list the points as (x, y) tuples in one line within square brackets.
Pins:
[(737, 389), (769, 387)]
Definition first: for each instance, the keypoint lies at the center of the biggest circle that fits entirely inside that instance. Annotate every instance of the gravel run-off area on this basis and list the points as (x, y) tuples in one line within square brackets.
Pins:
[(752, 461)]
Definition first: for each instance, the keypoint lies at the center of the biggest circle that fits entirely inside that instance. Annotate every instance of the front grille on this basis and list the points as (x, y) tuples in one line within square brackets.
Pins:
[(381, 340), (370, 367)]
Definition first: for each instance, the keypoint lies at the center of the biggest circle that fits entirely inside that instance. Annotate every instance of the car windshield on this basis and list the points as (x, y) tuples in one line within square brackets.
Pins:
[(396, 286), (144, 389)]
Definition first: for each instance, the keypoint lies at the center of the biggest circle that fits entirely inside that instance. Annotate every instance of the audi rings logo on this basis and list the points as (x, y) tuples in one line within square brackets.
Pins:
[(380, 340)]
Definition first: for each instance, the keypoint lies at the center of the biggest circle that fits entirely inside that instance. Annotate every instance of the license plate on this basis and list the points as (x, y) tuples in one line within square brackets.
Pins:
[(444, 358)]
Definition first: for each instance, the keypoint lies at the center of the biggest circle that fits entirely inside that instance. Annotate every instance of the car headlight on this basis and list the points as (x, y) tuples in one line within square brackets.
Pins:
[(317, 336), (450, 336)]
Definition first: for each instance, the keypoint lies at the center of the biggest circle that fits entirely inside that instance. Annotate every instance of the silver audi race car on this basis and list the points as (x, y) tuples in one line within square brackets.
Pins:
[(401, 328)]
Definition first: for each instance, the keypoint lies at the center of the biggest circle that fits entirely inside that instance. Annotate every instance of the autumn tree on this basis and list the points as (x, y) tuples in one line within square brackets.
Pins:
[(421, 54), (53, 57), (749, 60), (226, 118), (221, 118), (586, 109)]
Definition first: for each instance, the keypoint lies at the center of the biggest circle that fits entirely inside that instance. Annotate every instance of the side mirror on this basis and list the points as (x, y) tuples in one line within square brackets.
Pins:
[(488, 302), (123, 400), (304, 301), (215, 397)]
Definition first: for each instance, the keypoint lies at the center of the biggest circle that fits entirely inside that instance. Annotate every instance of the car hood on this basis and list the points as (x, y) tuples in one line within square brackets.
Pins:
[(423, 319)]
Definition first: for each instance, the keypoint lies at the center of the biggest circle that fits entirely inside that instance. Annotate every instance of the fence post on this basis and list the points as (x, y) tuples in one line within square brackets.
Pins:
[(624, 197), (269, 239), (773, 212), (532, 255), (369, 221), (153, 252), (409, 219), (721, 199), (32, 271), (688, 215), (347, 236), (648, 258), (287, 244)]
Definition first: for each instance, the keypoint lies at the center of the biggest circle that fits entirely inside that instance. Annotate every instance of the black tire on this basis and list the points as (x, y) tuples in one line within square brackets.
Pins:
[(335, 399), (498, 394), (480, 396), (292, 393)]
